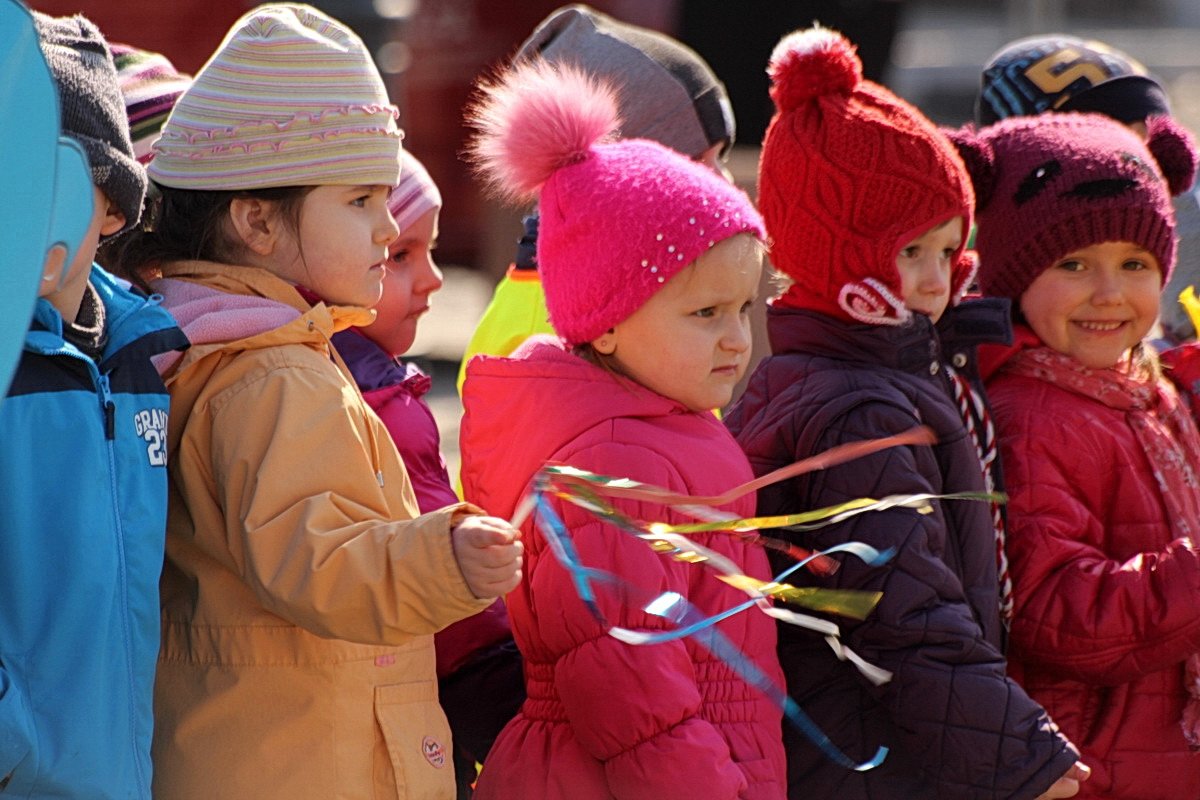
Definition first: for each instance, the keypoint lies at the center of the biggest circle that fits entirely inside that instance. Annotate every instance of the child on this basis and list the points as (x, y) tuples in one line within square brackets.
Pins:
[(478, 666), (299, 595), (667, 93), (1065, 73), (1075, 227), (868, 206), (650, 263), (83, 482)]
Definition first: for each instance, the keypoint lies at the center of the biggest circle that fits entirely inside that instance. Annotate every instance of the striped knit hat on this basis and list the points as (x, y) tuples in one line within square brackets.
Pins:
[(150, 85), (290, 98), (415, 195)]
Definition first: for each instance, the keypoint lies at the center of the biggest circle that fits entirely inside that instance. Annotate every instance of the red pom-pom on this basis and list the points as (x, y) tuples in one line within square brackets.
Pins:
[(1175, 151), (812, 63)]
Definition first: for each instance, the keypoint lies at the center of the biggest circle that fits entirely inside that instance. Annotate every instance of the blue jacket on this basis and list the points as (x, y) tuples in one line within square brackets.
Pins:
[(83, 489)]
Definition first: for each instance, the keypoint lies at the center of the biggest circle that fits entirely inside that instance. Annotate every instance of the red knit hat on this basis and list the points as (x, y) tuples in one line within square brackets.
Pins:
[(1055, 183), (849, 175)]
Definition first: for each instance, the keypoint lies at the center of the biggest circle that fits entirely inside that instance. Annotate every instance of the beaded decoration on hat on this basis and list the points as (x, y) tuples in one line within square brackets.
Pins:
[(290, 98), (850, 174), (618, 218), (1049, 185), (150, 85)]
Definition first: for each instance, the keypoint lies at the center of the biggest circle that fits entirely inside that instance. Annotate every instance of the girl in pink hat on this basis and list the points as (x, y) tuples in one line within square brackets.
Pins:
[(650, 263)]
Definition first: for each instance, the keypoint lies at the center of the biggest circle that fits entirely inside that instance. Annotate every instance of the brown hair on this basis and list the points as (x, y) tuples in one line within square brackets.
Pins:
[(186, 224)]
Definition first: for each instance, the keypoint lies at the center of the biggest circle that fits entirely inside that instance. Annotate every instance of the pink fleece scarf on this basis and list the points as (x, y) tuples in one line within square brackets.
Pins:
[(1167, 434)]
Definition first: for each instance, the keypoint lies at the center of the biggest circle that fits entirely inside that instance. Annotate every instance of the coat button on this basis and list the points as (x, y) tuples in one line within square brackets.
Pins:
[(933, 368), (959, 360)]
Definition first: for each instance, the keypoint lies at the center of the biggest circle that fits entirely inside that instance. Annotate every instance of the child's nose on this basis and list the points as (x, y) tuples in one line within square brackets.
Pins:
[(387, 230), (737, 336), (429, 279)]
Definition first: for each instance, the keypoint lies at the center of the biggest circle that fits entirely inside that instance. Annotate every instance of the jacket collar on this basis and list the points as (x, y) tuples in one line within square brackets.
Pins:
[(911, 347)]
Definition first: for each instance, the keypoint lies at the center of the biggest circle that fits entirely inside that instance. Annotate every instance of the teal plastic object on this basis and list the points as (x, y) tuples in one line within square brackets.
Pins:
[(45, 183)]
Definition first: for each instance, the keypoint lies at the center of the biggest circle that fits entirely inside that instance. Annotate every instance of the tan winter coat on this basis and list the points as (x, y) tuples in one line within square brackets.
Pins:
[(300, 595)]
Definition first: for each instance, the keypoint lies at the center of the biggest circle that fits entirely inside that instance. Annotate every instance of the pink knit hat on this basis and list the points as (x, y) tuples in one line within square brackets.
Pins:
[(1048, 185), (150, 85), (618, 218), (414, 195), (850, 174), (290, 98)]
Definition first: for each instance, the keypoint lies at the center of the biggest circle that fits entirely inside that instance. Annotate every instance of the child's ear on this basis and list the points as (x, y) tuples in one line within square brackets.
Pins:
[(53, 270), (256, 224), (606, 343), (1175, 151), (114, 218), (979, 158)]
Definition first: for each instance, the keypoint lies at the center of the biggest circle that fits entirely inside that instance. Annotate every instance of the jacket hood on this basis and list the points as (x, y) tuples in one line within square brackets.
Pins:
[(221, 307), (550, 397)]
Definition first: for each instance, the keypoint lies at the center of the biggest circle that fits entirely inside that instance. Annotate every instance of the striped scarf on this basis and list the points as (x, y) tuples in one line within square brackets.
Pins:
[(978, 421)]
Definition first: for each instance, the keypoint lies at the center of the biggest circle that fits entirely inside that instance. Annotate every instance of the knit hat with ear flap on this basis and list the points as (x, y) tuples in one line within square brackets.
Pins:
[(618, 218), (1049, 185), (849, 175)]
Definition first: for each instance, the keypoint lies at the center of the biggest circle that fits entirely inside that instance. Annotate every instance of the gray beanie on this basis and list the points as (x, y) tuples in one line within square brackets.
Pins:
[(93, 111), (666, 91)]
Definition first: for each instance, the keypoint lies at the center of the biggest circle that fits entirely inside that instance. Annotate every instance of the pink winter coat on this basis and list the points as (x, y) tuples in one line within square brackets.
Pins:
[(605, 719), (1107, 595)]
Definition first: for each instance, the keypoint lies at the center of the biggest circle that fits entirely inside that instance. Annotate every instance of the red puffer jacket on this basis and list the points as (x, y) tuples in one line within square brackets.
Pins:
[(1106, 595), (605, 719)]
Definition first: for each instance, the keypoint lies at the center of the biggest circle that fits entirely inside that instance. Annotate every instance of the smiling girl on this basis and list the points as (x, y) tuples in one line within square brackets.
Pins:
[(1100, 457)]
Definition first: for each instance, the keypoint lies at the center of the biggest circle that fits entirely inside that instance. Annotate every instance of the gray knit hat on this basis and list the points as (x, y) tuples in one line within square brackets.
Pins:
[(665, 90), (93, 112)]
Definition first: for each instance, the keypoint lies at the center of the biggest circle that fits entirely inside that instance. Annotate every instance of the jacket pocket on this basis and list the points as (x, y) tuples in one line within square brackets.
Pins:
[(417, 739)]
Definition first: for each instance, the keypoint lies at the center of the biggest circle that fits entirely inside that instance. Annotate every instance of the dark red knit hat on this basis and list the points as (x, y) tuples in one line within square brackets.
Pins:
[(849, 175), (1049, 185)]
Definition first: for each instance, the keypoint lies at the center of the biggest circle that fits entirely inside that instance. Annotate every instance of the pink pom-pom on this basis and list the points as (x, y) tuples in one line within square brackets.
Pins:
[(1175, 151), (811, 63), (536, 119)]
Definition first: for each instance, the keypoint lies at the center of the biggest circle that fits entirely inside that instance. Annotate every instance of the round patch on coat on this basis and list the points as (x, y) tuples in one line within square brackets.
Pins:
[(433, 751)]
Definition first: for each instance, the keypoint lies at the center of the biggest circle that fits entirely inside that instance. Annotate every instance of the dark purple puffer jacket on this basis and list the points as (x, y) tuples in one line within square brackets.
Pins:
[(957, 726)]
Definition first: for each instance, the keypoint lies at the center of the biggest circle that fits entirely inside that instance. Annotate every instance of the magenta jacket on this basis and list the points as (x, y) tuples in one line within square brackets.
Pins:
[(605, 719), (393, 390)]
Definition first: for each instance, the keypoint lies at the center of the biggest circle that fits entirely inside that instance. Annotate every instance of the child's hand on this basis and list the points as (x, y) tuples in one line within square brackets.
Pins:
[(1068, 784), (488, 551)]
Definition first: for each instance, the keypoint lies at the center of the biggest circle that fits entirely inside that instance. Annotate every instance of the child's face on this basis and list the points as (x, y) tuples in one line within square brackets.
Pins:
[(341, 246), (925, 266), (1096, 303), (691, 340), (411, 277)]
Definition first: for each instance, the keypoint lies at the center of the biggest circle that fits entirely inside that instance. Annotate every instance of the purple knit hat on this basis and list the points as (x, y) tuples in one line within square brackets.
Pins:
[(618, 218), (1048, 185)]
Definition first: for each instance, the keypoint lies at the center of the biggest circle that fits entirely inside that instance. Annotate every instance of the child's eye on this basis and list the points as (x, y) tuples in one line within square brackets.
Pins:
[(949, 252), (746, 306), (706, 312), (1133, 265), (399, 255), (360, 202), (1071, 266), (909, 252)]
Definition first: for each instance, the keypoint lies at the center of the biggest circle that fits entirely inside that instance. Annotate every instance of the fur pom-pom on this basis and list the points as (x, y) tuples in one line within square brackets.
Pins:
[(811, 63), (979, 159), (534, 120), (1175, 151)]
